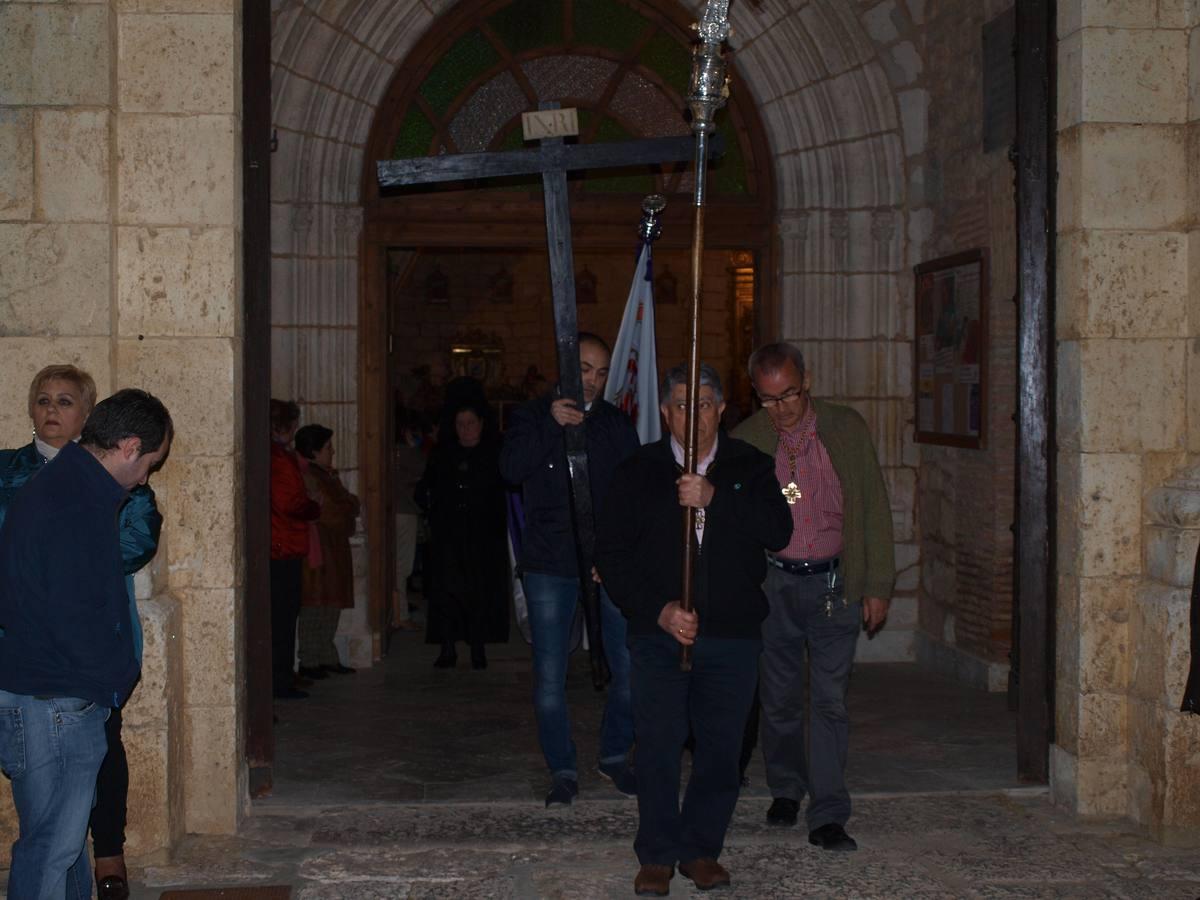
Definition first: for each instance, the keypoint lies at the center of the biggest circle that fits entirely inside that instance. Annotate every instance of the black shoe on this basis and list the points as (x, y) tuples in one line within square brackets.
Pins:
[(622, 776), (783, 812), (313, 673), (339, 669), (478, 658), (290, 694), (832, 837), (447, 659), (112, 887), (562, 792)]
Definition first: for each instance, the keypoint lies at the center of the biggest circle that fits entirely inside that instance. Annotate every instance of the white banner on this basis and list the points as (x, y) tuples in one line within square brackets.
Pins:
[(633, 374)]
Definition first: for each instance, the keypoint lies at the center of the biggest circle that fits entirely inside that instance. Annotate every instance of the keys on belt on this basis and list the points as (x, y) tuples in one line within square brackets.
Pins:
[(827, 567)]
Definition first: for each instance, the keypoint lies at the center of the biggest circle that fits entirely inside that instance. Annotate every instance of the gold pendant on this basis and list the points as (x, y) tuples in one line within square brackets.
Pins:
[(792, 492)]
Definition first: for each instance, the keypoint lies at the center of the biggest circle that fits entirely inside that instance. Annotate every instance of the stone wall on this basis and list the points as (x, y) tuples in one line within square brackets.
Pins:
[(965, 497), (1127, 323), (120, 213)]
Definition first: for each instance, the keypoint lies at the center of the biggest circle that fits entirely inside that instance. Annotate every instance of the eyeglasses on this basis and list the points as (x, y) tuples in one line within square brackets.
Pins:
[(785, 397)]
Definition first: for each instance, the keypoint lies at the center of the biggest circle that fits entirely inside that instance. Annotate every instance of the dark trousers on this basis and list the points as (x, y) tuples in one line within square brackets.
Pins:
[(285, 607), (107, 822), (712, 701), (801, 637)]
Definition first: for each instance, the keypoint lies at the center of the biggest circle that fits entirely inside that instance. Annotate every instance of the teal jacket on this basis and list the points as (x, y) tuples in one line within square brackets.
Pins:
[(868, 554), (140, 521)]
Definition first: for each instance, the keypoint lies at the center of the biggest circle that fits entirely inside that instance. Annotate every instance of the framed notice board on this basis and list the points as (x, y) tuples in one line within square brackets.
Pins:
[(951, 350)]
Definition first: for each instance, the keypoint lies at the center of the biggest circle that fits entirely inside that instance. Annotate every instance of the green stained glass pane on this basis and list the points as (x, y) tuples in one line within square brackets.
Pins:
[(605, 23), (670, 60), (415, 137), (470, 57), (606, 181), (529, 24), (728, 176), (513, 140)]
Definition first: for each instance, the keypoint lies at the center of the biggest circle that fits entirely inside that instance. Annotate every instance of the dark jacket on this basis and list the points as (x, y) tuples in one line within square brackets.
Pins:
[(291, 507), (639, 545), (534, 456), (63, 603), (468, 575), (140, 522)]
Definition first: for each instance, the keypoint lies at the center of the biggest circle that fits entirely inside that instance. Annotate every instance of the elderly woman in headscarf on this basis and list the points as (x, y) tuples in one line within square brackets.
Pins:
[(61, 398)]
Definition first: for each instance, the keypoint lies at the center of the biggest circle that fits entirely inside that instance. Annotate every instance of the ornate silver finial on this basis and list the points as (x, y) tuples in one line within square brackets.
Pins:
[(650, 227), (709, 86)]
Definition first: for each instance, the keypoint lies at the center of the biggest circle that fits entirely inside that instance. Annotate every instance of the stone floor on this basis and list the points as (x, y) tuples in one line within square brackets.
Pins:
[(403, 781)]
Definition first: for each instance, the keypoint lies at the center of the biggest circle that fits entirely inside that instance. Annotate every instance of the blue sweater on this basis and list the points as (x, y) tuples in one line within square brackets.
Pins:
[(141, 522), (63, 602)]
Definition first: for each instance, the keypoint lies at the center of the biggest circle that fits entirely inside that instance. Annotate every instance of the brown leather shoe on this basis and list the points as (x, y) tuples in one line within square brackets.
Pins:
[(706, 874), (653, 881)]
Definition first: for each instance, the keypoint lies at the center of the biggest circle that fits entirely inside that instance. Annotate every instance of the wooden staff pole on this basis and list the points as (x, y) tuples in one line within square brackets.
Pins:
[(708, 91)]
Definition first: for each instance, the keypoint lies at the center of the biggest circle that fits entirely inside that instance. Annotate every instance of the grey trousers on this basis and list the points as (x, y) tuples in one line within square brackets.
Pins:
[(799, 637)]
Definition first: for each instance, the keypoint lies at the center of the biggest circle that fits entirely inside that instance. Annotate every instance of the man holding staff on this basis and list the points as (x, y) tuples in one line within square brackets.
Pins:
[(639, 551)]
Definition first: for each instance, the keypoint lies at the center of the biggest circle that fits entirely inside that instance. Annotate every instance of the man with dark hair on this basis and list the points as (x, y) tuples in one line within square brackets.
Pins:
[(639, 553), (833, 579), (66, 652), (534, 456)]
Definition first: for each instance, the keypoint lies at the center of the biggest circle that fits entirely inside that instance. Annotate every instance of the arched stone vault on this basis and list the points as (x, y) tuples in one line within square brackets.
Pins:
[(839, 89)]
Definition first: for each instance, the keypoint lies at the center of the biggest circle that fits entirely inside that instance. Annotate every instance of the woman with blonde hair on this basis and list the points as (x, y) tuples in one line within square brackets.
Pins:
[(61, 398)]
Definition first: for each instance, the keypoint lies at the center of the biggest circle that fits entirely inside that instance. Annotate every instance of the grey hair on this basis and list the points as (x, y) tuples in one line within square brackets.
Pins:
[(773, 357), (679, 375)]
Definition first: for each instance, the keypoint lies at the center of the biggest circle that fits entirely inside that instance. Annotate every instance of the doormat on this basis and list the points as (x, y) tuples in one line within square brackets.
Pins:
[(260, 892)]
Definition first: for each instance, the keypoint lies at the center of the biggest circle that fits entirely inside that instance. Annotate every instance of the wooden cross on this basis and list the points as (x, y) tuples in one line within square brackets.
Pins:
[(553, 159)]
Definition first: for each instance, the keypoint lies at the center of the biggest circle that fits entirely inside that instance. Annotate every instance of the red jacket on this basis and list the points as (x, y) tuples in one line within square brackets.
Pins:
[(291, 507)]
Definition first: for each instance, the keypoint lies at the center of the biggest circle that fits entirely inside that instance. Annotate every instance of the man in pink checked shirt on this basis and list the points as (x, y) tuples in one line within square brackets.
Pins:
[(833, 579)]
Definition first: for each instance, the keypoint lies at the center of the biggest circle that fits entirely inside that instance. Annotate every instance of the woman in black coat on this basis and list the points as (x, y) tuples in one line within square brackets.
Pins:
[(463, 497)]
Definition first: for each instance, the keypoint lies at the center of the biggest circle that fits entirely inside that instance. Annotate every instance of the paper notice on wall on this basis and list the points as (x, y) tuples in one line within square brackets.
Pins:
[(948, 408), (925, 414), (968, 374)]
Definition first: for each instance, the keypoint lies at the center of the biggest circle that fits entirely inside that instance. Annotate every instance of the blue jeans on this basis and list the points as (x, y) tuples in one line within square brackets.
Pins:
[(552, 600), (52, 750)]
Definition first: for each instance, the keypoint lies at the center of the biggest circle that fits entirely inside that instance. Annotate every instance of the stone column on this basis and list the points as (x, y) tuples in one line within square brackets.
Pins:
[(177, 199), (1165, 743), (1123, 331)]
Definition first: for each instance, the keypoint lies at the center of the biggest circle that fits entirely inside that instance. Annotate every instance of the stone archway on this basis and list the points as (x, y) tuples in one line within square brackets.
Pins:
[(839, 90)]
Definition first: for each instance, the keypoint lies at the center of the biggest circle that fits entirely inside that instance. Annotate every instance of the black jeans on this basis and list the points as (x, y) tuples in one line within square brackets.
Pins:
[(712, 701), (285, 607), (107, 822)]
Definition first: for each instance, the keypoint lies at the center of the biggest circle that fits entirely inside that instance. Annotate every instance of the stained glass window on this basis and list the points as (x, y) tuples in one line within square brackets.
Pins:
[(624, 70)]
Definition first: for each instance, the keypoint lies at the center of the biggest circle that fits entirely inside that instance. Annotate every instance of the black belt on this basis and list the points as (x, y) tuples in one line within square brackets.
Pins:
[(800, 567)]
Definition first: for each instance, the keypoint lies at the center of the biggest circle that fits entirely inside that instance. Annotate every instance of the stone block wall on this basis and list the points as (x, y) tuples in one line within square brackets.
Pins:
[(965, 497), (120, 215), (1127, 323)]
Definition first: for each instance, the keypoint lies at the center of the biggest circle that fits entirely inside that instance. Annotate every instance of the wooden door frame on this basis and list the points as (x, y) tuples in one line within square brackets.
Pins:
[(374, 323), (256, 392), (1035, 569)]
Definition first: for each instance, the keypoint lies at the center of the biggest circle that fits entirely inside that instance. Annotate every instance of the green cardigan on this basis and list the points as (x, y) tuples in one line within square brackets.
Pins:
[(868, 556)]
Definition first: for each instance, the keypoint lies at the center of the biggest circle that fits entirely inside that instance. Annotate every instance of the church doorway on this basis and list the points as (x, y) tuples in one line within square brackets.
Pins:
[(455, 278)]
